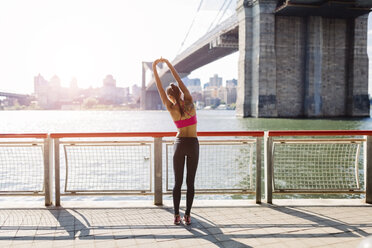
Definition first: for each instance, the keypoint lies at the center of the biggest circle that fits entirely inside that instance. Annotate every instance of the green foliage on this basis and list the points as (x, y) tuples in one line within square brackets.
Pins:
[(90, 103), (232, 106)]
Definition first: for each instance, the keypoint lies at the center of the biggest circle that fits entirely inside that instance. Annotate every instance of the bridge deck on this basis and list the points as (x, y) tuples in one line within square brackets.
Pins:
[(315, 223)]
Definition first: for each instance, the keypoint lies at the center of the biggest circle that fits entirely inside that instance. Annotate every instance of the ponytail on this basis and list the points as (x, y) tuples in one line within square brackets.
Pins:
[(174, 91)]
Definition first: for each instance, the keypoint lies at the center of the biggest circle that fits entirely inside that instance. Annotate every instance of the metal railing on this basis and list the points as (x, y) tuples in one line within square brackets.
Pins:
[(25, 165), (230, 162), (114, 166), (225, 166), (317, 165)]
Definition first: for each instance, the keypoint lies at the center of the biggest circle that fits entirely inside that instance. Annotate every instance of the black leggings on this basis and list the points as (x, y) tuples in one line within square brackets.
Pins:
[(185, 146)]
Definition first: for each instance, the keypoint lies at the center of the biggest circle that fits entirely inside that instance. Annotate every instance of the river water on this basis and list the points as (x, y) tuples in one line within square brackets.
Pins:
[(158, 121)]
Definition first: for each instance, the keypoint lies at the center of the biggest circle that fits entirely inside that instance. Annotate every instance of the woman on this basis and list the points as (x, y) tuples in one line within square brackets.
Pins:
[(183, 114)]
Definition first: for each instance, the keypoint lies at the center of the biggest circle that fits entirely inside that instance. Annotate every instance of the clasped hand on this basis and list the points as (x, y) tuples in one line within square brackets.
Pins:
[(161, 60)]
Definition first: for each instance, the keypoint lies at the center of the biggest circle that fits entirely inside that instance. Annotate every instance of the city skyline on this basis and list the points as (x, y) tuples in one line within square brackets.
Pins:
[(88, 40), (112, 37)]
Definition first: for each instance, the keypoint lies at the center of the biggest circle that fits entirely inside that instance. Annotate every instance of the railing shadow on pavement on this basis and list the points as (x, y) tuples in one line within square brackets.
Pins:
[(75, 223), (137, 223), (342, 229)]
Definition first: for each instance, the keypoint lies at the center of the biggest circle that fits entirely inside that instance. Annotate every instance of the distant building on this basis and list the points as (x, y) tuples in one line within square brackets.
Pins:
[(197, 96), (193, 85), (74, 90), (231, 91), (109, 93), (109, 81), (48, 94), (233, 83), (136, 92), (41, 87), (215, 81)]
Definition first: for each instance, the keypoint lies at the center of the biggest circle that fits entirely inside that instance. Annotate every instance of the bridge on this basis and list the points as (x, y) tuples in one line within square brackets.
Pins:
[(22, 98), (297, 58)]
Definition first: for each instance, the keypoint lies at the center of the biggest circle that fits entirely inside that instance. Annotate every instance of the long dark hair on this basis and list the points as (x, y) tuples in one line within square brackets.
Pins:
[(173, 90)]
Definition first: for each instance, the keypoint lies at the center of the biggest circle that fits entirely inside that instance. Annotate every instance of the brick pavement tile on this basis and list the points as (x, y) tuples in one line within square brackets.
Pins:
[(269, 240), (44, 244), (252, 242), (213, 230), (312, 242), (168, 244), (293, 243), (183, 243), (222, 237), (153, 245), (350, 243), (5, 243), (63, 243), (233, 244), (107, 244), (8, 235), (145, 239), (19, 243), (212, 245), (210, 238), (24, 246), (125, 242)]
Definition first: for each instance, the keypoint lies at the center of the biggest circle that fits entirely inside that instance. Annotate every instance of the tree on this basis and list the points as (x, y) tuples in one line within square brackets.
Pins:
[(90, 102)]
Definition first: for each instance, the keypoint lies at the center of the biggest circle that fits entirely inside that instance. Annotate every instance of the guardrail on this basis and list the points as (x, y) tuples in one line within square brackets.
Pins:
[(332, 165), (25, 165), (89, 162), (132, 163)]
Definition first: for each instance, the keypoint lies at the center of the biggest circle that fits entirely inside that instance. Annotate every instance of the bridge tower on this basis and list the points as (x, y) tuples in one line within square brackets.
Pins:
[(150, 98), (303, 58)]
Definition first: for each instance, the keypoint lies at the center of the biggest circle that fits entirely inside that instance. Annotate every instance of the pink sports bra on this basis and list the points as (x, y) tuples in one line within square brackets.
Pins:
[(186, 122)]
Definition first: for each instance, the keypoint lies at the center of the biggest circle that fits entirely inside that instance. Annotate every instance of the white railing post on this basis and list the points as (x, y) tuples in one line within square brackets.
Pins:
[(48, 171), (368, 170), (258, 169), (158, 171), (57, 172), (268, 169)]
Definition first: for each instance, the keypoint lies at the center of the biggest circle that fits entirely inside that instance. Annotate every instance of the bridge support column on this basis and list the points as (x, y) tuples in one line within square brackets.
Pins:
[(357, 98), (257, 59), (303, 65)]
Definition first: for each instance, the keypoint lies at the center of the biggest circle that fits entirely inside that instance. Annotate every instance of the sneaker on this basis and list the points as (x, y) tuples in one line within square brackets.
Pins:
[(187, 219), (177, 219)]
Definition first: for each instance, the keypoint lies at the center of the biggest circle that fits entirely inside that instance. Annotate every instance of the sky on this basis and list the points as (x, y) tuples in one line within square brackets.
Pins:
[(89, 39)]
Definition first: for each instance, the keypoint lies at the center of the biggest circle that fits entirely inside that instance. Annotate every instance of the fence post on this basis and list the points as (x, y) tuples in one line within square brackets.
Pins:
[(368, 170), (269, 170), (57, 172), (158, 171), (48, 171), (258, 169)]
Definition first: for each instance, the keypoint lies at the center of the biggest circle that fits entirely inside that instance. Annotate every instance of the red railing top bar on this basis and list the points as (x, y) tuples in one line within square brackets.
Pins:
[(320, 133), (103, 135), (233, 133), (153, 134), (24, 135), (211, 133)]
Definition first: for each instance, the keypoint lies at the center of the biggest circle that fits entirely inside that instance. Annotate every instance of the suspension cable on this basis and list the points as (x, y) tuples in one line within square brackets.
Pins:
[(224, 12), (219, 11), (192, 24)]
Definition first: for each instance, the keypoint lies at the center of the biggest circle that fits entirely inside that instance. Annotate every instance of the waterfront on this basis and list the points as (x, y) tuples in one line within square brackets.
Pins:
[(159, 121)]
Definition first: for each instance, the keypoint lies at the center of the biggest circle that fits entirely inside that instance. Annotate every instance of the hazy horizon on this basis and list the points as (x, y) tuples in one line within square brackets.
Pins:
[(88, 40)]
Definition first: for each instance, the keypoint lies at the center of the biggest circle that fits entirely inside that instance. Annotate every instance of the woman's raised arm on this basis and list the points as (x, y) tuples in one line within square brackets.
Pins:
[(186, 93), (159, 85)]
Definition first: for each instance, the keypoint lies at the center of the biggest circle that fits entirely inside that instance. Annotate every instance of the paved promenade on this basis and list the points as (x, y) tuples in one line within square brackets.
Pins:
[(239, 223)]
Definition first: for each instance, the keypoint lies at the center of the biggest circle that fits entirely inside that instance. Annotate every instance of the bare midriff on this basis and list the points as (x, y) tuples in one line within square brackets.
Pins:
[(189, 131)]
